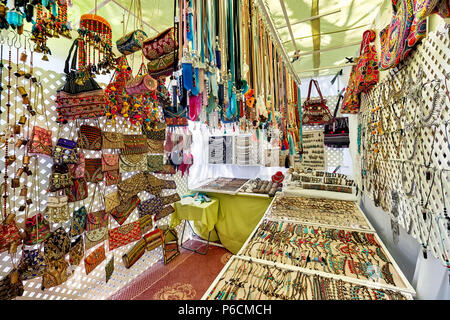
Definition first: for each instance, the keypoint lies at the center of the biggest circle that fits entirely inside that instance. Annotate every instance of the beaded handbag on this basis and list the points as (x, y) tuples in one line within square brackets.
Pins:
[(112, 140), (60, 178), (134, 144), (94, 237), (76, 252), (90, 138), (77, 170), (155, 162), (132, 163), (131, 42), (315, 111), (157, 133), (58, 209), (57, 245)]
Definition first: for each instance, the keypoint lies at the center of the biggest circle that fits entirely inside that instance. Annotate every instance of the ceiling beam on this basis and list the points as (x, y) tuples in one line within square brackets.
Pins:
[(332, 48), (312, 18), (283, 7), (326, 68), (326, 33)]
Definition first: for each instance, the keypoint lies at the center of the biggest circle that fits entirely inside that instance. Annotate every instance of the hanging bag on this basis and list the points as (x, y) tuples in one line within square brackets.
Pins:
[(315, 111), (65, 151), (131, 42), (141, 84), (90, 138), (336, 134), (367, 73)]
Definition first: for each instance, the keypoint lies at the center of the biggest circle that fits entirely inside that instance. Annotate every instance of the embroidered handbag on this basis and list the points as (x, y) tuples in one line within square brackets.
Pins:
[(11, 286), (132, 186), (155, 162), (93, 170), (94, 237), (110, 162), (32, 264), (170, 199), (164, 212), (140, 85), (79, 221), (109, 269), (155, 146), (175, 118), (95, 220), (76, 100), (60, 178), (155, 185), (131, 42), (170, 244), (394, 37), (65, 151), (78, 191), (160, 45), (124, 209), (134, 144), (112, 140), (89, 138), (77, 170), (112, 177), (151, 206), (351, 99), (146, 223), (157, 133), (162, 66), (166, 169), (132, 163), (133, 255), (315, 111), (37, 229), (56, 272), (40, 142), (112, 201), (154, 239), (58, 209), (94, 259), (336, 134), (9, 234), (367, 73), (76, 252), (57, 245), (124, 235)]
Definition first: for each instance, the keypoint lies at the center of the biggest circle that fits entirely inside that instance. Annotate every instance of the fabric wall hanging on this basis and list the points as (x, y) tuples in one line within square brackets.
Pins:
[(132, 163), (112, 140), (124, 209), (133, 255), (94, 259), (124, 235), (315, 111)]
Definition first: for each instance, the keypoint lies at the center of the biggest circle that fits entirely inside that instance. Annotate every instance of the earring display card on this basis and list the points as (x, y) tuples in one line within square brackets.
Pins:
[(313, 150), (220, 150)]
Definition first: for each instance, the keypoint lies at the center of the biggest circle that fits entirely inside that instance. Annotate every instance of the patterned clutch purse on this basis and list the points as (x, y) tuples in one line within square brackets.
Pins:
[(40, 141), (132, 163), (112, 140), (109, 269), (155, 185), (132, 186), (112, 177), (94, 259), (150, 206), (94, 237), (89, 138), (79, 190), (32, 264), (134, 144), (155, 146), (58, 209), (131, 42), (164, 212), (146, 223), (110, 162), (60, 178), (161, 44), (155, 134), (93, 170), (124, 235), (112, 201), (167, 169), (57, 245), (155, 162), (170, 199), (124, 209), (154, 239), (132, 256), (55, 273), (65, 151), (79, 221), (77, 170), (76, 251), (96, 220)]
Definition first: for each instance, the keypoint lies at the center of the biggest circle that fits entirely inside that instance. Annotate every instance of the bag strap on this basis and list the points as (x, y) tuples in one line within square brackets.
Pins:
[(341, 96), (316, 84), (74, 59)]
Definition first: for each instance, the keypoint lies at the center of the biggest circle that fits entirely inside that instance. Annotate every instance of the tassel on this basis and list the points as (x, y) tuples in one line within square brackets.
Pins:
[(291, 145)]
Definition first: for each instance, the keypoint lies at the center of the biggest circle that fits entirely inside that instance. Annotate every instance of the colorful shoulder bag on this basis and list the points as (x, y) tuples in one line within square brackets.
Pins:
[(78, 191), (315, 111), (93, 170), (131, 42), (57, 245)]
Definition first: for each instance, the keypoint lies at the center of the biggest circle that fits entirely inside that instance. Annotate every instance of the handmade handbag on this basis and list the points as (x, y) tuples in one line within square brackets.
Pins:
[(170, 199), (160, 45), (76, 252), (155, 146), (155, 185), (350, 103), (96, 220), (79, 100), (155, 162), (112, 177), (78, 191), (164, 212), (367, 73), (57, 245), (315, 111), (154, 239), (65, 151), (94, 259), (133, 255), (124, 209), (175, 118), (58, 209), (140, 85), (11, 286), (32, 264), (79, 221), (94, 237), (60, 178), (131, 42), (112, 140), (40, 142), (170, 244), (151, 206), (89, 138), (134, 144), (9, 234), (112, 201), (124, 235), (336, 134), (56, 272), (77, 170), (132, 163), (109, 269), (166, 169), (157, 133), (146, 223), (110, 162), (93, 170), (37, 230), (394, 37), (132, 186), (161, 66)]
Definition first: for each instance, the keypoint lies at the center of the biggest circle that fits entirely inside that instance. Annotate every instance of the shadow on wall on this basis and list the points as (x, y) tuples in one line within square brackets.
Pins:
[(428, 276)]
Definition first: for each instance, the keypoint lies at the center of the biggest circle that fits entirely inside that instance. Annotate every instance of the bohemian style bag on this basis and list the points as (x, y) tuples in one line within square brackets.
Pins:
[(94, 259), (315, 111), (158, 133), (112, 140), (141, 84), (133, 255), (57, 245), (40, 142), (155, 146), (351, 99), (55, 273), (134, 144), (155, 185), (166, 169), (154, 239), (78, 191), (146, 223), (89, 138), (124, 209), (175, 118), (93, 170), (37, 230), (155, 162), (112, 201), (367, 73), (109, 269), (65, 151), (336, 134), (164, 212), (150, 207), (132, 163), (160, 45), (124, 235), (132, 186), (11, 286), (58, 209), (60, 178), (132, 42), (162, 66), (94, 237), (79, 221), (112, 177), (77, 170), (9, 234), (79, 101), (76, 252), (110, 162), (96, 220), (32, 264)]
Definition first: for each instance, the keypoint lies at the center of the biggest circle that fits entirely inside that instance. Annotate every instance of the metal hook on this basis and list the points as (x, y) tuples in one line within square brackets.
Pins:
[(18, 38)]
